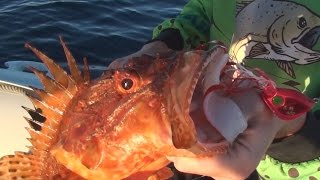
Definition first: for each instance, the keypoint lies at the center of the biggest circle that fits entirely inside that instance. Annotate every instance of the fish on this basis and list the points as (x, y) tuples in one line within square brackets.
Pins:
[(121, 125), (281, 31)]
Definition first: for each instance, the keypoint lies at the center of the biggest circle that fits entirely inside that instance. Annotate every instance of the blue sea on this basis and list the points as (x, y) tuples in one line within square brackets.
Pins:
[(101, 30)]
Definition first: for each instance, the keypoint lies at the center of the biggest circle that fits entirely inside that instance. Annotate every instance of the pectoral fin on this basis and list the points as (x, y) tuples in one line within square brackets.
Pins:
[(257, 50), (287, 67)]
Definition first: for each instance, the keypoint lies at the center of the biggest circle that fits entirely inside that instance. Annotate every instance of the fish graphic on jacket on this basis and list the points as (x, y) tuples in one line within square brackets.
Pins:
[(283, 31)]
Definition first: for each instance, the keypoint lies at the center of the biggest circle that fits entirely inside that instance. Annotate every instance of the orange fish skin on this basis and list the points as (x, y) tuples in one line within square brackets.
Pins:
[(119, 126)]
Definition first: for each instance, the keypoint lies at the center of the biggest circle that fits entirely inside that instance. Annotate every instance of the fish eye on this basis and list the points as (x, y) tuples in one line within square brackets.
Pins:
[(126, 81), (302, 22), (127, 84)]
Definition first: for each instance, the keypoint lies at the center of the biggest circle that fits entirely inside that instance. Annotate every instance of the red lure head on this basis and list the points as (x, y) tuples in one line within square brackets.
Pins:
[(287, 104)]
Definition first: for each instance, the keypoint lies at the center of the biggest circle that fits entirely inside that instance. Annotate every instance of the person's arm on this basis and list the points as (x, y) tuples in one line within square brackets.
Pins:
[(193, 25)]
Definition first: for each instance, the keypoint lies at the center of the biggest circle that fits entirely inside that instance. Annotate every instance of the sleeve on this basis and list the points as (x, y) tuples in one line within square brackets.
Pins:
[(193, 24)]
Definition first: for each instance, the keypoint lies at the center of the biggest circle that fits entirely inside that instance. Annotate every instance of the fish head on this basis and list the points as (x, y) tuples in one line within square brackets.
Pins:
[(301, 26), (294, 33), (113, 123), (130, 117)]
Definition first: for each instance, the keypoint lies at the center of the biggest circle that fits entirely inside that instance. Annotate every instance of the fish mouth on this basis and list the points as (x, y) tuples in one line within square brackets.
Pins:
[(310, 38), (207, 134), (184, 84)]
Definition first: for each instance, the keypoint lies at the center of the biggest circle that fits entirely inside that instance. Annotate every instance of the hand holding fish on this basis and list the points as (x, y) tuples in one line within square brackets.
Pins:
[(249, 136), (244, 120)]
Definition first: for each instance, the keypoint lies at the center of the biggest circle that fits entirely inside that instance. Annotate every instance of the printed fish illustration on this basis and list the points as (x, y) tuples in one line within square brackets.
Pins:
[(283, 31), (119, 126)]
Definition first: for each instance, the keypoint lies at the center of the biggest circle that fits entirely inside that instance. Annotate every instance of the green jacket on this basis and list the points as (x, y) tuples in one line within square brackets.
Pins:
[(279, 37)]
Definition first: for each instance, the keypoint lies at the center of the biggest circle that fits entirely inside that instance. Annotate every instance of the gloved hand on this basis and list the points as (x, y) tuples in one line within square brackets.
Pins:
[(249, 139)]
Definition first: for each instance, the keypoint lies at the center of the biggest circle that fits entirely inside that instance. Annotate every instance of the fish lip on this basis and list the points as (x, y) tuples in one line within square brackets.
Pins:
[(180, 90), (301, 35), (308, 38)]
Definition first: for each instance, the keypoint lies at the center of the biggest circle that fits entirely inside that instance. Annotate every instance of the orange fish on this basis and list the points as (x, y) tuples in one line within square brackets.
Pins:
[(121, 125)]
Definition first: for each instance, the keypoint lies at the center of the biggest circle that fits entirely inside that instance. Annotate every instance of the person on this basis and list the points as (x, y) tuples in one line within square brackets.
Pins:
[(282, 39)]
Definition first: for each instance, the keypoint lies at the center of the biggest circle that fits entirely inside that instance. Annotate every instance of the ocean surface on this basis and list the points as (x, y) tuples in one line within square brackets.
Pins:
[(101, 30)]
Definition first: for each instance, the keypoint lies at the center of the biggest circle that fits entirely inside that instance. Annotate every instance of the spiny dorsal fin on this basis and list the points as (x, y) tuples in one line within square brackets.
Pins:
[(36, 125), (37, 119), (47, 111), (86, 71), (39, 139), (52, 86), (40, 124), (57, 72), (50, 99), (74, 70), (52, 103)]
